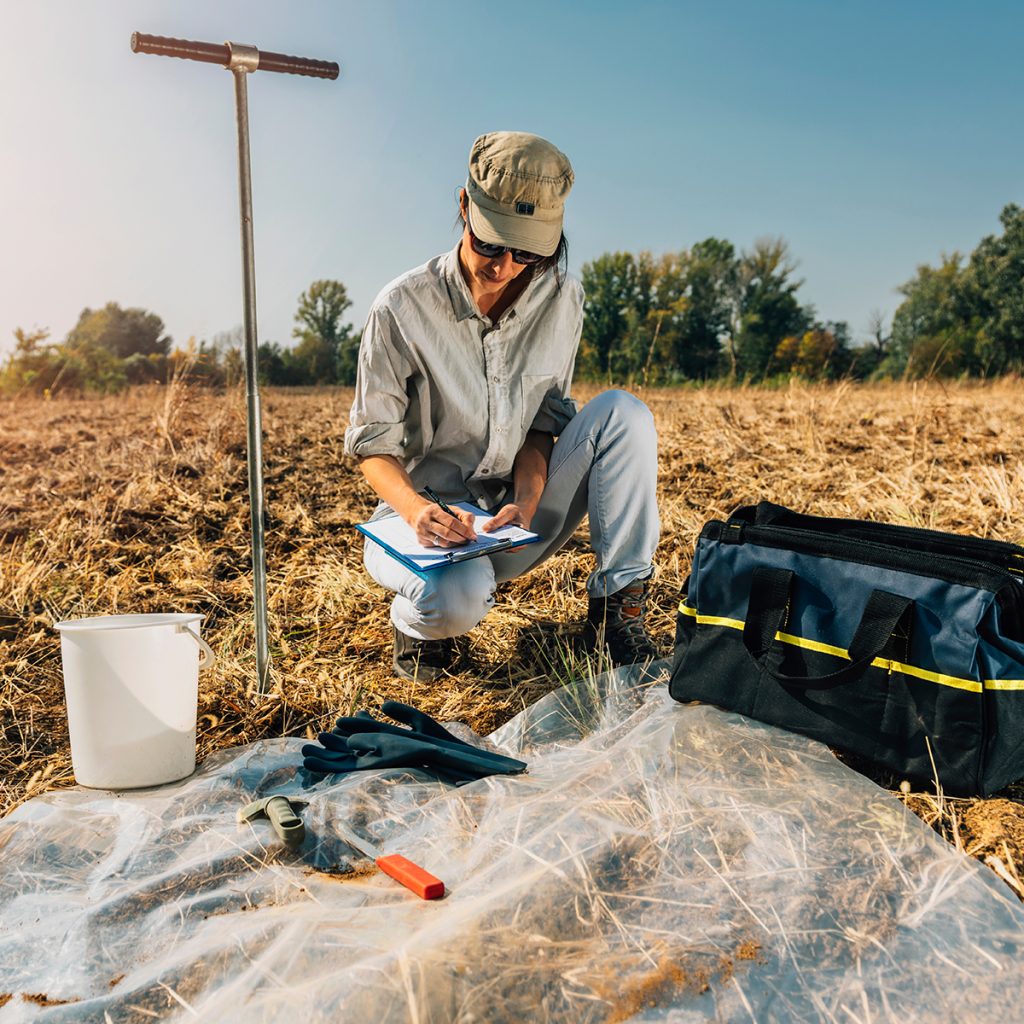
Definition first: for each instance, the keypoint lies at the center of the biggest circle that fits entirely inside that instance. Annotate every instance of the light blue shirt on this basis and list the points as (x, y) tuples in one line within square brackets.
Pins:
[(451, 394)]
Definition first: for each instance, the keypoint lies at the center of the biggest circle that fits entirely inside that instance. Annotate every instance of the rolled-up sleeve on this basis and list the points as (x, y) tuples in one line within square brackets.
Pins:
[(558, 407), (377, 420), (554, 413)]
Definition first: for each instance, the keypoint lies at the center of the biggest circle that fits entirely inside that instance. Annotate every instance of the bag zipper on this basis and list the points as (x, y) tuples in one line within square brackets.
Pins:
[(970, 549), (951, 568), (1000, 553)]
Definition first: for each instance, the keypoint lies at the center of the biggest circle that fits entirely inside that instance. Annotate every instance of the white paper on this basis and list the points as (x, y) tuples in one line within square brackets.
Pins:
[(395, 533)]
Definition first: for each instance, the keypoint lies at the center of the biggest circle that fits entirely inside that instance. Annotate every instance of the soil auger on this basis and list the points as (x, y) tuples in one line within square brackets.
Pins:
[(241, 60)]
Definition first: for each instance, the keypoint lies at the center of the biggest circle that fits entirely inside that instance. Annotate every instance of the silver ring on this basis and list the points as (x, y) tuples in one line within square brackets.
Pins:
[(437, 540)]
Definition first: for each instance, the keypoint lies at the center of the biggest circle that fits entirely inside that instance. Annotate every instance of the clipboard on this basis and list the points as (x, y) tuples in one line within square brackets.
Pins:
[(398, 539)]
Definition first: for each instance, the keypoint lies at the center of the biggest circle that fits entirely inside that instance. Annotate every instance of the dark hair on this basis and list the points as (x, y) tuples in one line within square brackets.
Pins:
[(558, 261)]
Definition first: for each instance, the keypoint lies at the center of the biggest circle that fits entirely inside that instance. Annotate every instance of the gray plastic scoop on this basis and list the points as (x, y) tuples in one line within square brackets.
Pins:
[(281, 813)]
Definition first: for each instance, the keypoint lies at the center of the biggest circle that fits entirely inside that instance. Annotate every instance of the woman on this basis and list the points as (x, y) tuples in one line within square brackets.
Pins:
[(463, 386)]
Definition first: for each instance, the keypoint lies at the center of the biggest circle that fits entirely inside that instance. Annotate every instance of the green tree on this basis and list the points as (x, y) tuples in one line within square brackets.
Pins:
[(659, 321), (767, 308), (651, 343), (649, 348), (121, 332), (616, 302), (41, 368), (934, 330), (820, 353), (710, 274), (325, 346), (348, 358), (33, 366), (140, 369), (993, 299), (90, 368), (280, 367)]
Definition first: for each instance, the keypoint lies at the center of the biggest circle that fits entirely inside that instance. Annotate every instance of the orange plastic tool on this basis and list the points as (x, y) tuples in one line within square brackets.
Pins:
[(412, 876), (401, 869)]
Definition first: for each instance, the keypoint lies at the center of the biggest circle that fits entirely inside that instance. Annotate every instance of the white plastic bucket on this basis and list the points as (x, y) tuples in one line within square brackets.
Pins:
[(132, 689)]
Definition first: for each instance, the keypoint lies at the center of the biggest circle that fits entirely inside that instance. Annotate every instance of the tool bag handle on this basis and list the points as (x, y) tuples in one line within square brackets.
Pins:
[(770, 591), (220, 53)]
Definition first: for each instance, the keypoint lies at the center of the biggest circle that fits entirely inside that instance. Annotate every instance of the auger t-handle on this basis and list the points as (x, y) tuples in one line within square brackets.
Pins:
[(220, 53)]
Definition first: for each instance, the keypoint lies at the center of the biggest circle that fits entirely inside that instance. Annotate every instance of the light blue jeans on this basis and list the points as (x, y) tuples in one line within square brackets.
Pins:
[(605, 466)]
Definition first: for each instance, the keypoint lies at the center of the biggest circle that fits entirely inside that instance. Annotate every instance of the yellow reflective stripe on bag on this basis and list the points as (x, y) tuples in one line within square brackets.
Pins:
[(972, 685)]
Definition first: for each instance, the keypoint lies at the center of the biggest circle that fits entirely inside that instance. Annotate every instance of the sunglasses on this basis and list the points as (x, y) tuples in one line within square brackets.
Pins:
[(495, 252)]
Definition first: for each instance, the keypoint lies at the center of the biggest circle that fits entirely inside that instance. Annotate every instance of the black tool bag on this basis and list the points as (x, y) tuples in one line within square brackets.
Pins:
[(902, 645)]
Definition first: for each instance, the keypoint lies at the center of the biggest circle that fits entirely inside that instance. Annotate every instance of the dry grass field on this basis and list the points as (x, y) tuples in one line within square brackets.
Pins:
[(138, 504)]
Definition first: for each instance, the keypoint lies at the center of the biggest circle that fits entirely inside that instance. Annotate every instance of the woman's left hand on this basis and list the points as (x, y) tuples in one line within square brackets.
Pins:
[(509, 515)]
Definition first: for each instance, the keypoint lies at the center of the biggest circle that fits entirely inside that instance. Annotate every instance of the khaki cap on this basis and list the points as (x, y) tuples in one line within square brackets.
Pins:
[(517, 186)]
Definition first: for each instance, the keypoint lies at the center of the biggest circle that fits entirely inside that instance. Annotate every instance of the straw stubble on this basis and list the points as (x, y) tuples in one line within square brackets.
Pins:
[(138, 503)]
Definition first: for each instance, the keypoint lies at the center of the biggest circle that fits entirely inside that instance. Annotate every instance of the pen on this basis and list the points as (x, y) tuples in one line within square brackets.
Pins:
[(437, 500)]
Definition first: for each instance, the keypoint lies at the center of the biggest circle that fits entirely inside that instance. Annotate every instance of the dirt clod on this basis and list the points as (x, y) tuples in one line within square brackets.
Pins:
[(44, 1000), (362, 869)]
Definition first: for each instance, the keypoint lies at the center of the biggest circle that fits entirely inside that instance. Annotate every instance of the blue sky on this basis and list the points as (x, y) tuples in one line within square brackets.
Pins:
[(872, 136)]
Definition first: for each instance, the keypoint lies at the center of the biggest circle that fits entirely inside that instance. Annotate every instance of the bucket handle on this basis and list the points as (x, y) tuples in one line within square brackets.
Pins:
[(206, 655)]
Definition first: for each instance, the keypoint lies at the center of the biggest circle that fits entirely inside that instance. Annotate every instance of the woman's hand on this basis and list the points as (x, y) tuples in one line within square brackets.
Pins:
[(435, 528), (529, 475), (510, 515)]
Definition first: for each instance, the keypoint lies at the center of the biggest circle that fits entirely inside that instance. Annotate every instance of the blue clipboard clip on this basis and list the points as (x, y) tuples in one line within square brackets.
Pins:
[(465, 556)]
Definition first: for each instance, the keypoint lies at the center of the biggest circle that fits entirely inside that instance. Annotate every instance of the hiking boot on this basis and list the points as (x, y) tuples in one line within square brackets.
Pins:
[(616, 623), (422, 660)]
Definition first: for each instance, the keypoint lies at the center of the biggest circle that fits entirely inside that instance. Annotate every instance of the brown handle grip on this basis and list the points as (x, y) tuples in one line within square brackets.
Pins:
[(298, 65), (187, 49)]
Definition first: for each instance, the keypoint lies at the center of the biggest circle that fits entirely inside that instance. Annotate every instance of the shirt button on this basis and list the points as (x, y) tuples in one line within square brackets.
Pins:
[(484, 472), (494, 380)]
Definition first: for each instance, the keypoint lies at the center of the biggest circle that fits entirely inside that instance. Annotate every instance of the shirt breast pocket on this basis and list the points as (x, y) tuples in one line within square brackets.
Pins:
[(535, 390)]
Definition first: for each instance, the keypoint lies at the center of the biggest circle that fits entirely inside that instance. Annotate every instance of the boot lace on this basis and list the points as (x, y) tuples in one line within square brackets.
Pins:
[(627, 621)]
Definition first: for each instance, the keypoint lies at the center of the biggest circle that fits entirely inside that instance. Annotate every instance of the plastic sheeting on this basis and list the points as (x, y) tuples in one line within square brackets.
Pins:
[(658, 862)]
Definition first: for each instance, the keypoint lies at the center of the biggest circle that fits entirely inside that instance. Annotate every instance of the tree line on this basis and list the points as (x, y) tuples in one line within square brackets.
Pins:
[(112, 348), (703, 313), (700, 314), (710, 312)]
